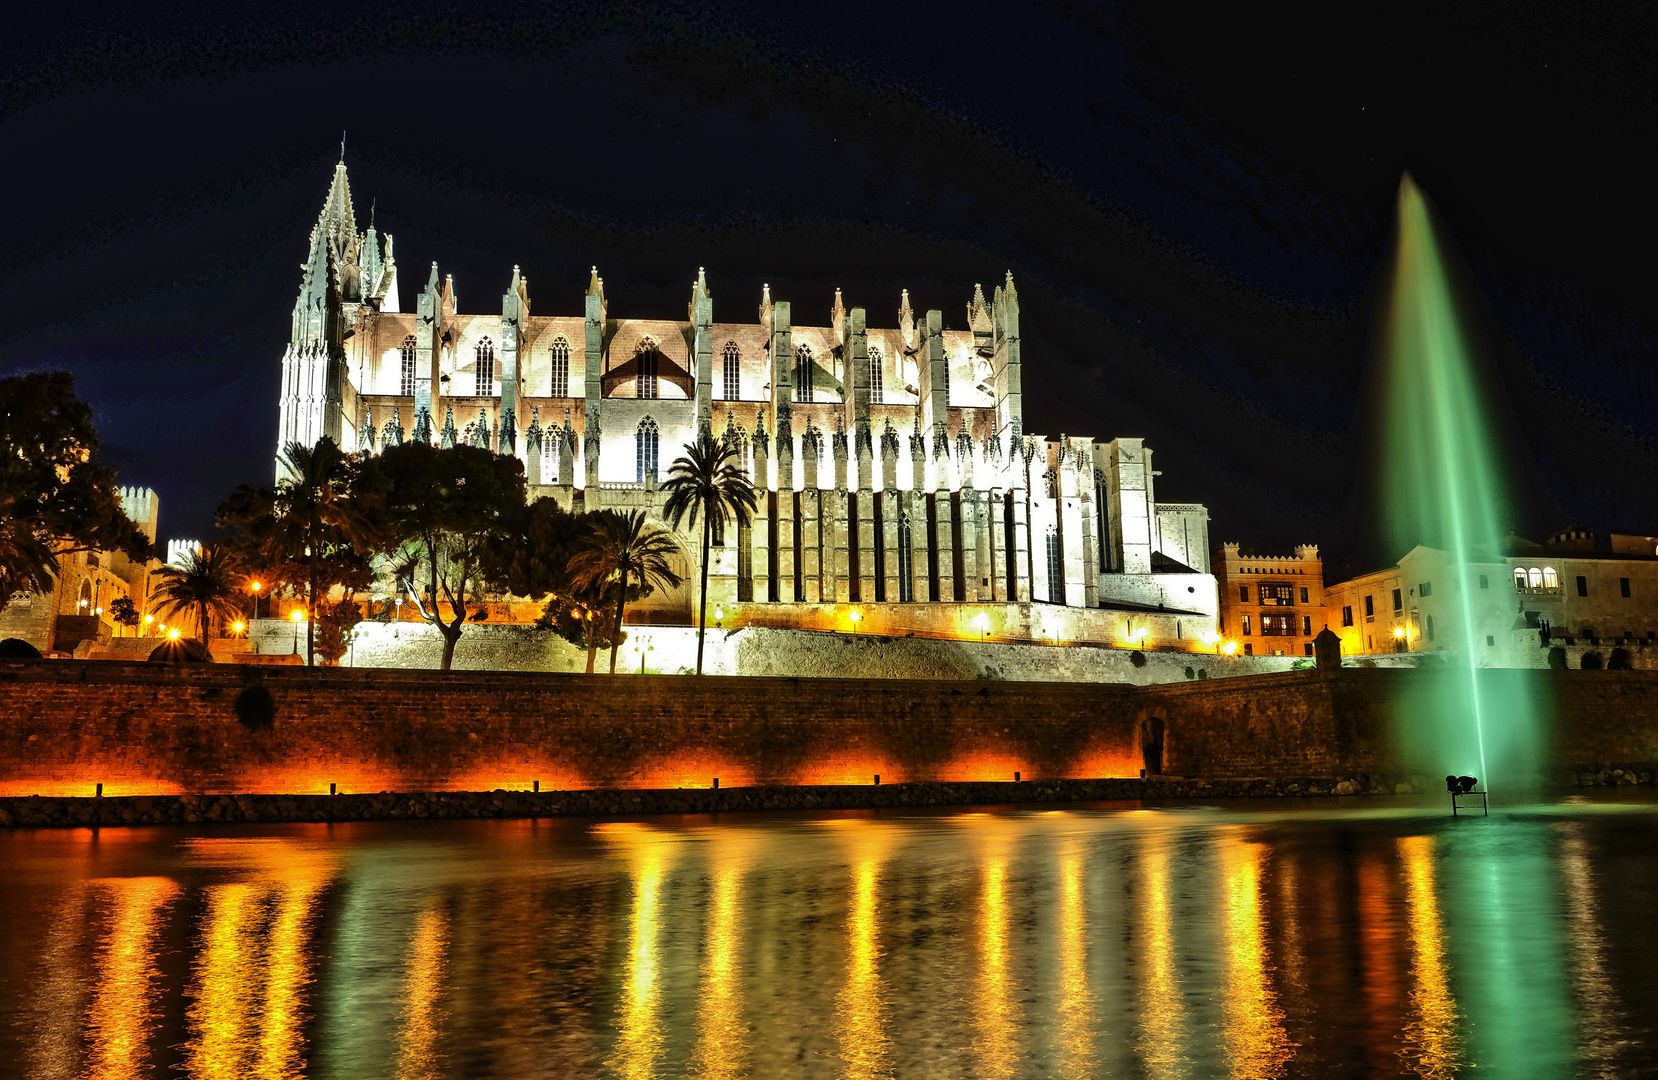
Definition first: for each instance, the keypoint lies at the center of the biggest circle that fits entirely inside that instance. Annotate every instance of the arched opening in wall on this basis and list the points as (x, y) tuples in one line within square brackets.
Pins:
[(645, 438), (484, 376), (1056, 573), (803, 374), (406, 377), (646, 361), (906, 571), (732, 367), (877, 384), (558, 383), (1151, 745)]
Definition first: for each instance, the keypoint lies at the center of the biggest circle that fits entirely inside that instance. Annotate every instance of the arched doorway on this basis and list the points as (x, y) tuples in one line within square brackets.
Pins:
[(1151, 745)]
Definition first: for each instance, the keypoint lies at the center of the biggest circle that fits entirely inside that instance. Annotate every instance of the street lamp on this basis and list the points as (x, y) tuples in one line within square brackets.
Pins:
[(719, 615), (253, 588), (299, 617), (1229, 648), (854, 616), (172, 635), (981, 623)]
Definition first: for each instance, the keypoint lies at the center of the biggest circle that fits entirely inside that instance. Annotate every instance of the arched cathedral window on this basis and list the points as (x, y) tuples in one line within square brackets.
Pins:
[(803, 374), (484, 386), (560, 382), (645, 359), (1056, 574), (644, 441), (906, 584), (733, 372), (407, 381), (877, 392)]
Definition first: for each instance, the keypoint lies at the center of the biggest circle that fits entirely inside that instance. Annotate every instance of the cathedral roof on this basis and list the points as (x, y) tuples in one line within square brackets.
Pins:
[(337, 222)]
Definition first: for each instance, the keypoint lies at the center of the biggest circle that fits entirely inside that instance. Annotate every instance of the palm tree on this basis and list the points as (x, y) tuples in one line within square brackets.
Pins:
[(626, 549), (207, 583), (315, 518), (707, 480)]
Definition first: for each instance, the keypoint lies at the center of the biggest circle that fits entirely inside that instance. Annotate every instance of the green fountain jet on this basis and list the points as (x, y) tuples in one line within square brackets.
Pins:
[(1443, 489)]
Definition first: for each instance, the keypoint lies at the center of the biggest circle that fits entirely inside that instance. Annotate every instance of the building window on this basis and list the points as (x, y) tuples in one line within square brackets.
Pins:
[(803, 374), (1485, 582), (1249, 650), (406, 385), (1550, 581), (1623, 586), (1520, 577), (906, 584), (1277, 625), (1303, 594), (1425, 589), (1244, 627), (945, 367), (1398, 600), (1582, 585), (1490, 640), (1307, 649), (1243, 594), (1056, 577), (560, 382), (1430, 627), (1306, 626), (732, 369), (484, 382), (1277, 595), (644, 359), (877, 378), (1370, 607), (644, 443), (1347, 615)]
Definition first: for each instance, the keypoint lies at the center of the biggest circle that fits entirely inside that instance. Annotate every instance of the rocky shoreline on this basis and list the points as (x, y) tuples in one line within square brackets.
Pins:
[(35, 811)]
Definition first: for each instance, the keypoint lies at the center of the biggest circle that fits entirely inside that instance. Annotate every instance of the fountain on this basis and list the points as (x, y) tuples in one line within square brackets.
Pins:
[(1443, 488)]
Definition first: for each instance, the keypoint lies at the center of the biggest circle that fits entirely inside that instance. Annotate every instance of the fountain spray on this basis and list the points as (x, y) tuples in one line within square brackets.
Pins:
[(1443, 489)]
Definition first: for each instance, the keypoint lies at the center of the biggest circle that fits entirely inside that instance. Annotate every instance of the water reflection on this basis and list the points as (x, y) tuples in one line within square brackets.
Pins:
[(1256, 1046), (722, 1037), (123, 1008), (1432, 1035), (639, 1023), (860, 1007), (1162, 1009), (1151, 944), (1078, 1059), (419, 1041)]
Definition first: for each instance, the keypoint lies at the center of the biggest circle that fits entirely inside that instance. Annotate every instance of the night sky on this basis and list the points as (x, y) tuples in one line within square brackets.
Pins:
[(1196, 209)]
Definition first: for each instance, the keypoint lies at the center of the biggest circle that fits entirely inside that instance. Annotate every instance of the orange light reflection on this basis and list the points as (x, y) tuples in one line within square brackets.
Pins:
[(122, 1007), (1162, 1008), (417, 1045), (722, 1039), (996, 1045), (861, 1006), (1078, 1059), (1433, 1040), (1256, 1045), (639, 1035)]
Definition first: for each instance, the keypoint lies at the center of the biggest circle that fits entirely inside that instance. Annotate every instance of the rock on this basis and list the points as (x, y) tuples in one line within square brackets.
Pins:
[(1347, 787)]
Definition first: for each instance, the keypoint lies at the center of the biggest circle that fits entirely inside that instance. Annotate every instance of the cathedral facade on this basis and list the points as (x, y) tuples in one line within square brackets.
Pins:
[(899, 490)]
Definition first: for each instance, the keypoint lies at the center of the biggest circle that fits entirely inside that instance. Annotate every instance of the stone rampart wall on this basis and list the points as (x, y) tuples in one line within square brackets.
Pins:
[(152, 730)]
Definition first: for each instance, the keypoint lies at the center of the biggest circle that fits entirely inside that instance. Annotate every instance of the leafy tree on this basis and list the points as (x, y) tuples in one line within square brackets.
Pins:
[(624, 549), (708, 480), (124, 611), (318, 527), (585, 618), (444, 509), (334, 625), (207, 584), (56, 496)]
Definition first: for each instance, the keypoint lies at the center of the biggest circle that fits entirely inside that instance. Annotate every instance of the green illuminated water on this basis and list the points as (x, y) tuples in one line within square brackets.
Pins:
[(1443, 487)]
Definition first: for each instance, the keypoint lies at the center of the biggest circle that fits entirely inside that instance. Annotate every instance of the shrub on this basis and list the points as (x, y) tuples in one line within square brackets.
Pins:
[(1202, 673), (1190, 674), (1137, 658)]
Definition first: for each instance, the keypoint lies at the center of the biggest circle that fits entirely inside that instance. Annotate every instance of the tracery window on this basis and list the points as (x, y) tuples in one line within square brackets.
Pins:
[(407, 381), (644, 442), (1056, 575), (646, 357), (560, 382), (803, 374), (733, 366), (877, 392), (906, 584), (484, 385)]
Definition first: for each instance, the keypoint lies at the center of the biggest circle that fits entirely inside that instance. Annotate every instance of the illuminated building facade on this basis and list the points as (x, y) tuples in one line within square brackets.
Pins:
[(893, 464), (1270, 605)]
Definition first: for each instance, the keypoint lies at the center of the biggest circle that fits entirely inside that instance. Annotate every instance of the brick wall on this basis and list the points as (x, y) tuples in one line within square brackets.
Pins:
[(147, 729)]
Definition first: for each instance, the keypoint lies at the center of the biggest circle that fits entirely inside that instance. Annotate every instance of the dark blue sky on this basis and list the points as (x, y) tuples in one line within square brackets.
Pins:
[(1196, 209)]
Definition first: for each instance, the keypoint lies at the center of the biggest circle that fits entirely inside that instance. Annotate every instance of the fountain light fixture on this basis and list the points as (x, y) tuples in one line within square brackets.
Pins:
[(1461, 785)]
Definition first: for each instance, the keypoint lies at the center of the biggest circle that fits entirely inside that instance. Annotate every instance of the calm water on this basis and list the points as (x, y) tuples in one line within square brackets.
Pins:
[(1079, 943)]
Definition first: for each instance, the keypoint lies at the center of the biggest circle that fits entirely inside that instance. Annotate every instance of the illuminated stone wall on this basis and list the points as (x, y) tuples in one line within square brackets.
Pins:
[(142, 729)]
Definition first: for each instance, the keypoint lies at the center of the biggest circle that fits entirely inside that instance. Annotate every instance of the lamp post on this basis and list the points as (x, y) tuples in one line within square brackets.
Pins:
[(981, 623), (299, 617), (854, 616), (253, 590), (719, 615)]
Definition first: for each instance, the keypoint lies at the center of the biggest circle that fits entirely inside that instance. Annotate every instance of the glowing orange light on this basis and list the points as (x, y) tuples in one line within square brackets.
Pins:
[(299, 615), (173, 635), (1229, 647)]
